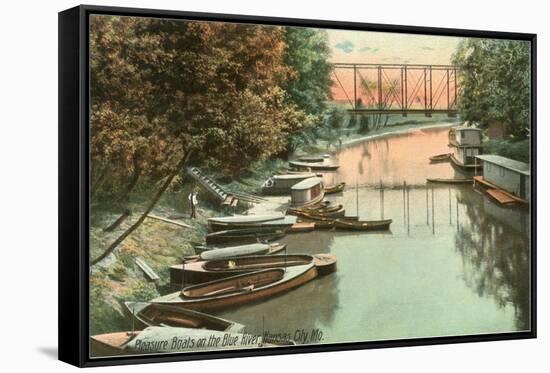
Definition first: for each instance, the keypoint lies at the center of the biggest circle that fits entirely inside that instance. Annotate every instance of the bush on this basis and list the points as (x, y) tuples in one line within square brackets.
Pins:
[(518, 150)]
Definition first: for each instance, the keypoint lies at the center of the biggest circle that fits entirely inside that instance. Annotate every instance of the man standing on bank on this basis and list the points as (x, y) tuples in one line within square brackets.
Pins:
[(194, 201)]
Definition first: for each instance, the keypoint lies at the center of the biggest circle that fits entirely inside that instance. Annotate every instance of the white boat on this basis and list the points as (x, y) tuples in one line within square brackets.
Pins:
[(307, 192)]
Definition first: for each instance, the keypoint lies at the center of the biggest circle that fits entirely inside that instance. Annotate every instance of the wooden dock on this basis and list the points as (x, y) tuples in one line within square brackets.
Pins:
[(500, 195), (226, 198), (151, 275), (301, 227)]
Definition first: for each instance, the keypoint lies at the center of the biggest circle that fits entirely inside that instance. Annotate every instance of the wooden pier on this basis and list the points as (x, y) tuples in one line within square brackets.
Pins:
[(501, 196), (226, 198)]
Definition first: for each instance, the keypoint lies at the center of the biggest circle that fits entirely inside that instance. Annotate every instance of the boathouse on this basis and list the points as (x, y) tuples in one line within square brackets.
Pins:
[(510, 175), (466, 154), (466, 143), (307, 192), (465, 135)]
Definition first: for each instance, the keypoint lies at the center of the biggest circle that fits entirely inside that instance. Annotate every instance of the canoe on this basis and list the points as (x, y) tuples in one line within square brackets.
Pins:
[(440, 157), (314, 159), (338, 188), (154, 339), (214, 253), (333, 215), (314, 166), (264, 262), (320, 205), (318, 210), (320, 222), (242, 219), (204, 271), (282, 223), (372, 225), (244, 236), (450, 181), (240, 289), (152, 314)]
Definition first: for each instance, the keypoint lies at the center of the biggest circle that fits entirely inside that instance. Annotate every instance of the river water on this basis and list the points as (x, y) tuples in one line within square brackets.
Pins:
[(454, 262)]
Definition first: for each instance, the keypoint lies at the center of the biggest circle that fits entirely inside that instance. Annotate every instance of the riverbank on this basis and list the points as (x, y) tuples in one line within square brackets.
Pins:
[(160, 244), (333, 139)]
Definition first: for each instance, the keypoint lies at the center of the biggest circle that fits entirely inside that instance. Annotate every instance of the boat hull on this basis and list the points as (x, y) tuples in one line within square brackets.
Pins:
[(375, 225), (243, 236), (461, 165), (170, 316), (339, 188), (440, 158), (294, 277), (312, 202), (283, 223), (204, 271), (314, 166)]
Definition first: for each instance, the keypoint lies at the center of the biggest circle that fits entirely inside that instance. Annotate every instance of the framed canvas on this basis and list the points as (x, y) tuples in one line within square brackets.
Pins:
[(232, 186)]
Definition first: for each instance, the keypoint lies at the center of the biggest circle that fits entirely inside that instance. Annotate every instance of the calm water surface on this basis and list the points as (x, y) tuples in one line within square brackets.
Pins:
[(457, 265)]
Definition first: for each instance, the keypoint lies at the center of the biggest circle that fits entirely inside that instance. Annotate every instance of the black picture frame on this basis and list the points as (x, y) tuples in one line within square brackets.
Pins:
[(73, 184)]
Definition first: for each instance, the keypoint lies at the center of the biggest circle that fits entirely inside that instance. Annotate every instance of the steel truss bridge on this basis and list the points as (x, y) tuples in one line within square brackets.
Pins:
[(396, 88)]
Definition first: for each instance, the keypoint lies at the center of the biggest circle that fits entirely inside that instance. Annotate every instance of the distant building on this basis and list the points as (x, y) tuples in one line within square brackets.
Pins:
[(496, 130), (507, 174)]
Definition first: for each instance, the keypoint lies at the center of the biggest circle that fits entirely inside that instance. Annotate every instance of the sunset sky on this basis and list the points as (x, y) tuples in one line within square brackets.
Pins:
[(378, 47)]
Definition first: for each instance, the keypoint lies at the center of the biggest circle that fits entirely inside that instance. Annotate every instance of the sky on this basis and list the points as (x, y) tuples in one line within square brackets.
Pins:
[(380, 47)]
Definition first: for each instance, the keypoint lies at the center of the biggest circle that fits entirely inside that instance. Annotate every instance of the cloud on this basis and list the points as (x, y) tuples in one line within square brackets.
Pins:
[(346, 46), (428, 48)]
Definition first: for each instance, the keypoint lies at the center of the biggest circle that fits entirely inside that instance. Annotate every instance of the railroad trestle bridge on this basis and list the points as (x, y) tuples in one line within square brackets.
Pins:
[(396, 88)]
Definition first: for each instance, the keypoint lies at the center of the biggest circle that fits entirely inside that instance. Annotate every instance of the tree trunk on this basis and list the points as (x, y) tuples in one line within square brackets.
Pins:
[(143, 216), (133, 181), (117, 222), (97, 184)]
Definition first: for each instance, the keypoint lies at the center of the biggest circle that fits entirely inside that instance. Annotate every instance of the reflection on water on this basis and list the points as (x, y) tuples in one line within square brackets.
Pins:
[(454, 263), (393, 159)]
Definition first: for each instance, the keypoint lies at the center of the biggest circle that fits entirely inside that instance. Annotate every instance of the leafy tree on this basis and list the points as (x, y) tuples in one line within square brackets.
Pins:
[(169, 93), (495, 79), (307, 55)]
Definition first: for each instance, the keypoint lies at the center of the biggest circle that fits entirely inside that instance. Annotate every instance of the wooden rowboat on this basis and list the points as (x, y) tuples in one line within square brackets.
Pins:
[(320, 222), (335, 214), (154, 339), (244, 236), (198, 272), (440, 157), (314, 166), (373, 225), (451, 181), (280, 223), (338, 188), (317, 206), (153, 314), (318, 210), (314, 159), (215, 253), (240, 289)]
